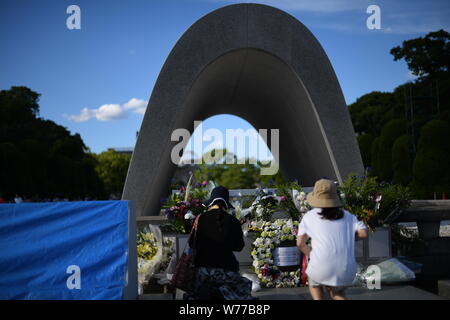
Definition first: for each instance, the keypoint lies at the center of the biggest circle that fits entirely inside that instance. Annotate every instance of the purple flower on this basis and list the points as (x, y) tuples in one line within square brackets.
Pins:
[(169, 214)]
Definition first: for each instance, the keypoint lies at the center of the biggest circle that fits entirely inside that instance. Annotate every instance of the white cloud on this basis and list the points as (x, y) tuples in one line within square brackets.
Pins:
[(108, 112), (137, 105), (84, 115)]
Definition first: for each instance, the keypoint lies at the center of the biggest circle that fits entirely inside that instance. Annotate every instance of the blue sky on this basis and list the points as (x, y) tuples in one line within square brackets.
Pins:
[(96, 81)]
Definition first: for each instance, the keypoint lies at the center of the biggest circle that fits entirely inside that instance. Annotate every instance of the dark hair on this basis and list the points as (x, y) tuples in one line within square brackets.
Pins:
[(335, 213), (219, 216)]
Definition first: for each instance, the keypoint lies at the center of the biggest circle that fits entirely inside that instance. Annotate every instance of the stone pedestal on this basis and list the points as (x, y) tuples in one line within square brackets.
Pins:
[(376, 247)]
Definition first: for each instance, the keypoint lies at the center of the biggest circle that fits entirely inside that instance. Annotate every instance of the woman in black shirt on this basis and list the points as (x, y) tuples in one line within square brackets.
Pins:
[(218, 235)]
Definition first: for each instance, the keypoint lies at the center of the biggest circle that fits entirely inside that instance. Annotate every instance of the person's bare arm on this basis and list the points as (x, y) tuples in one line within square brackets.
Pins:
[(362, 234), (302, 246)]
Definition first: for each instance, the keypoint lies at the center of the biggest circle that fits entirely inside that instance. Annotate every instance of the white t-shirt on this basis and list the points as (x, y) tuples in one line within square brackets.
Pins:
[(332, 259)]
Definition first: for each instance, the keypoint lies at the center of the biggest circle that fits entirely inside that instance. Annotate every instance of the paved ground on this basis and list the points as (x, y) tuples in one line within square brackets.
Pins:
[(386, 293)]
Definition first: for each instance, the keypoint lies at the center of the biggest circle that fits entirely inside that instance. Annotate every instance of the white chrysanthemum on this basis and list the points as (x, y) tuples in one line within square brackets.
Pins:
[(259, 211), (189, 215)]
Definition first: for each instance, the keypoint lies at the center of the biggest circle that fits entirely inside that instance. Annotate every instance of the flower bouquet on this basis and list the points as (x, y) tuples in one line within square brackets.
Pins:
[(149, 252), (293, 200), (154, 254), (182, 207), (374, 203), (264, 206)]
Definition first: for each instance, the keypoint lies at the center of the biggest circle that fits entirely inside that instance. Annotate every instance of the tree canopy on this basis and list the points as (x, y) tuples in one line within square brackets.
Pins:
[(39, 158), (392, 126), (235, 176), (427, 56), (112, 169)]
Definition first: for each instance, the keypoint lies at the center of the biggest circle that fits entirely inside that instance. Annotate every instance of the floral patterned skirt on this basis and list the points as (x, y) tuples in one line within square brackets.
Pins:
[(216, 283)]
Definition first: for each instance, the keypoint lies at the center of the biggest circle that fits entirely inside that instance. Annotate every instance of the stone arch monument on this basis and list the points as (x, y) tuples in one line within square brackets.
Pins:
[(258, 63)]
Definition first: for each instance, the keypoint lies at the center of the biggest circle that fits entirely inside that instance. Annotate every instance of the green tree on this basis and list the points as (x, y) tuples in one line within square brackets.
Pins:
[(365, 141), (401, 167), (11, 162), (242, 175), (391, 131), (371, 111), (39, 157), (112, 169), (19, 105), (377, 117), (432, 163), (427, 56), (374, 152)]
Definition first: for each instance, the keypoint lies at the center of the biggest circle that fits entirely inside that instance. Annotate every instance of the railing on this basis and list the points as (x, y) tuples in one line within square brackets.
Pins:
[(428, 215)]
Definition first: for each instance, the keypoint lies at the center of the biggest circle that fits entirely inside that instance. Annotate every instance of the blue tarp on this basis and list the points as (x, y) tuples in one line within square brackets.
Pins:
[(63, 250)]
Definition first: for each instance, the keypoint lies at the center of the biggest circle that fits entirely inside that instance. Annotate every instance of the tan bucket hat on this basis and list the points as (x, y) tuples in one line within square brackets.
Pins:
[(324, 195)]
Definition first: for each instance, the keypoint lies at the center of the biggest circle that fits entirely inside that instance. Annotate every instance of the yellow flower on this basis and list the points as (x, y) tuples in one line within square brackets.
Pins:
[(148, 236)]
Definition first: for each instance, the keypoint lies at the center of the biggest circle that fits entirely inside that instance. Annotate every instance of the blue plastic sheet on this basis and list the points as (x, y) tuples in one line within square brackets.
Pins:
[(64, 250)]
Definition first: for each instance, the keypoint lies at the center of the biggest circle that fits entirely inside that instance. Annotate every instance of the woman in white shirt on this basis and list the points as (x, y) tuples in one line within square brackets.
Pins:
[(333, 232)]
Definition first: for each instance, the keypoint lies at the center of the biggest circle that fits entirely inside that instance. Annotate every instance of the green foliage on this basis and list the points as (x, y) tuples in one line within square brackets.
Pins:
[(372, 202), (234, 176), (400, 161), (374, 151), (360, 197), (39, 158), (18, 107), (371, 111), (377, 118), (365, 141), (391, 131), (287, 203), (427, 56), (395, 198), (112, 169), (432, 164)]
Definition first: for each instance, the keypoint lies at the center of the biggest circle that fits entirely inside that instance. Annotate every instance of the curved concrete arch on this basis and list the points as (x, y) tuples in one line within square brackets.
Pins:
[(258, 63)]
